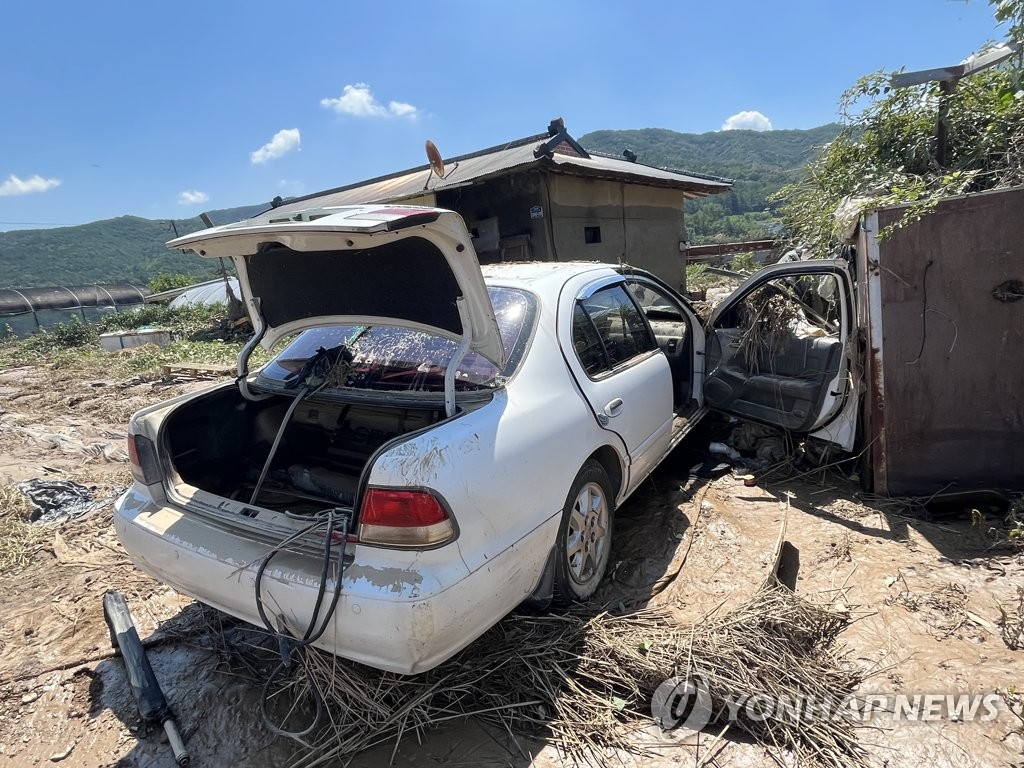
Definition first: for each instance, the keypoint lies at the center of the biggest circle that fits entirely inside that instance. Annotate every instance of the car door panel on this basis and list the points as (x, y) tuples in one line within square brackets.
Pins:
[(621, 373), (797, 375), (636, 404), (787, 389)]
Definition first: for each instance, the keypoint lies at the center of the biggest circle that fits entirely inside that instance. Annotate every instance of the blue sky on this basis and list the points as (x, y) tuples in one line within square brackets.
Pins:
[(167, 109)]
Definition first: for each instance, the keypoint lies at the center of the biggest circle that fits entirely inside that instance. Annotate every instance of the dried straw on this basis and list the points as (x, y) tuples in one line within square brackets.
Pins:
[(19, 539), (766, 327), (585, 682)]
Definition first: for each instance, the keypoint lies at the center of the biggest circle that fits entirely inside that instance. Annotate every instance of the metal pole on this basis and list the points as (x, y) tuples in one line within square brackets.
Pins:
[(150, 699)]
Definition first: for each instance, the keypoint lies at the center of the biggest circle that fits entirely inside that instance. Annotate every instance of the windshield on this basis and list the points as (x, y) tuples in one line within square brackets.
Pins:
[(380, 357)]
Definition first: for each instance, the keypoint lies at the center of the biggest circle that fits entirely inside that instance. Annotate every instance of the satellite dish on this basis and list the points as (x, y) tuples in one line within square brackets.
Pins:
[(434, 158)]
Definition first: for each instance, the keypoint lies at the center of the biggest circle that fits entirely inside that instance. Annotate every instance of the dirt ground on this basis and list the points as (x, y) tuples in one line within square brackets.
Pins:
[(924, 597)]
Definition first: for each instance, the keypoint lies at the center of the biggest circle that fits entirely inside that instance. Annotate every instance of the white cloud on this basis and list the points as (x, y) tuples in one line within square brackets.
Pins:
[(358, 101), (401, 109), (748, 120), (15, 186), (192, 197), (283, 142)]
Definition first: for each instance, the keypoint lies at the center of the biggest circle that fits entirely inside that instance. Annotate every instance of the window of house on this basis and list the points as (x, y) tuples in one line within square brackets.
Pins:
[(591, 235), (608, 330)]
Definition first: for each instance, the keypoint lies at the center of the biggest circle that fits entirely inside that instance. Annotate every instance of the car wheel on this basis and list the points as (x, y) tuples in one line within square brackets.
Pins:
[(585, 535)]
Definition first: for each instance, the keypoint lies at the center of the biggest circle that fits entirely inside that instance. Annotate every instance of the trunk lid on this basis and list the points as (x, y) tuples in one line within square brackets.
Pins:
[(403, 266)]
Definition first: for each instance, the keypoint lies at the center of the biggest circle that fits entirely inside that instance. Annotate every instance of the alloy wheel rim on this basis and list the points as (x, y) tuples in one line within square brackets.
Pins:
[(586, 542)]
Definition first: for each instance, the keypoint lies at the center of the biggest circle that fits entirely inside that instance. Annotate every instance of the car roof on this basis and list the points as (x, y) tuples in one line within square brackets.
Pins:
[(540, 275)]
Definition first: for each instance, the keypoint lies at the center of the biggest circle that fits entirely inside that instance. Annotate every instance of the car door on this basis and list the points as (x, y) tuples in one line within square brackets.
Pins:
[(780, 350), (677, 331), (622, 373)]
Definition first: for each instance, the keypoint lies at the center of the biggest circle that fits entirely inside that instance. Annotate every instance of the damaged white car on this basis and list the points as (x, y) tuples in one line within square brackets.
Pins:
[(437, 442)]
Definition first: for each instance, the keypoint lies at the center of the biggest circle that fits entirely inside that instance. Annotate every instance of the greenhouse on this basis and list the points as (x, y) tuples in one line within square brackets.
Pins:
[(23, 311)]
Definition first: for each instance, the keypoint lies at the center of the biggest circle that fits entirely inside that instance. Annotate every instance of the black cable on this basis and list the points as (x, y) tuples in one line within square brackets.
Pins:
[(311, 635), (313, 377), (277, 441), (924, 310)]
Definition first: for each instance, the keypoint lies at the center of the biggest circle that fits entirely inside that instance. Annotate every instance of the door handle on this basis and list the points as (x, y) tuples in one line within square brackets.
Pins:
[(614, 408)]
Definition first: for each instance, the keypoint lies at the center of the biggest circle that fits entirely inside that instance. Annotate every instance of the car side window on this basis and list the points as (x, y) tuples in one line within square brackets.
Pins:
[(608, 330), (587, 343), (654, 302)]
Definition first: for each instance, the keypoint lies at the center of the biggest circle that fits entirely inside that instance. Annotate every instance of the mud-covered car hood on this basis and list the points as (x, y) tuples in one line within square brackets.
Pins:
[(403, 266)]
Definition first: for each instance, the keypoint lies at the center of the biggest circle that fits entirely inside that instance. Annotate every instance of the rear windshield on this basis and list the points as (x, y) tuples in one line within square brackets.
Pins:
[(399, 359)]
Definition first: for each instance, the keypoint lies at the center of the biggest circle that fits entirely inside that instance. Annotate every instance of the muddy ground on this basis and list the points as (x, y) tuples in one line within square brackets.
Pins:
[(924, 596)]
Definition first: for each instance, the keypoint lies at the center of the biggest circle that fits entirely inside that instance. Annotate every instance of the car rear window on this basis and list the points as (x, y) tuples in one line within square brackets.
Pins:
[(401, 359)]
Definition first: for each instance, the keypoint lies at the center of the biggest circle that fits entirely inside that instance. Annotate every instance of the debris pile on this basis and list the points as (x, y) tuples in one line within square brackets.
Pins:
[(585, 682), (766, 322)]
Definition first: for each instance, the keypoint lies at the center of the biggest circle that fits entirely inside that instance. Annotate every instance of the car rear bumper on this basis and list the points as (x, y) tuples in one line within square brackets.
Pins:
[(402, 611)]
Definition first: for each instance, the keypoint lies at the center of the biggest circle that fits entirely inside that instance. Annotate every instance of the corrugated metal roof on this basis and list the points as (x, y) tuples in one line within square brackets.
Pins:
[(519, 154), (603, 165)]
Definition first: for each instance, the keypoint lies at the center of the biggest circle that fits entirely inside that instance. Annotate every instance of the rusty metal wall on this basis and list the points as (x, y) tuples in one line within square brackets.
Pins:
[(945, 337)]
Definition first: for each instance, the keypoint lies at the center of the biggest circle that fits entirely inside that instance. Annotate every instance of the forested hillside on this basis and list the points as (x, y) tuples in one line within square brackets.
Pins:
[(131, 249), (125, 249), (760, 162)]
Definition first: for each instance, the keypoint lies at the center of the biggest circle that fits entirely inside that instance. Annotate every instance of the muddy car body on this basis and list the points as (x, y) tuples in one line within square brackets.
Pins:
[(452, 439)]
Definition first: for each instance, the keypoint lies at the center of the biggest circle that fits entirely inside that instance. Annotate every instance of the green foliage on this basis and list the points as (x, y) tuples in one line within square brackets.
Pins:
[(192, 323), (760, 163), (166, 282), (202, 334), (72, 334), (147, 359), (1011, 11), (744, 262), (122, 250), (697, 277), (181, 321), (887, 152)]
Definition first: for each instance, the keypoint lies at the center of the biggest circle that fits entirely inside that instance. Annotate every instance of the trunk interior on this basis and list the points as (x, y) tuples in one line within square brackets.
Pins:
[(219, 443)]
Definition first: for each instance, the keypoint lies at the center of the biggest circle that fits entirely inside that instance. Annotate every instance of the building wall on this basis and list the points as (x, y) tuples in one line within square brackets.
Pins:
[(638, 225), (509, 199), (945, 321)]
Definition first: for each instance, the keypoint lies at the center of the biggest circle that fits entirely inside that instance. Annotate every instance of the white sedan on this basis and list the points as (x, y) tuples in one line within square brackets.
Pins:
[(436, 442)]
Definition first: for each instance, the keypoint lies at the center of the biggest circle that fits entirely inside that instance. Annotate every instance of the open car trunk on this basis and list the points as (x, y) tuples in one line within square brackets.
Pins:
[(220, 442)]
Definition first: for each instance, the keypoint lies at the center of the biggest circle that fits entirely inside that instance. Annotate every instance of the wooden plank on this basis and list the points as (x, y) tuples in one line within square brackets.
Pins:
[(197, 369)]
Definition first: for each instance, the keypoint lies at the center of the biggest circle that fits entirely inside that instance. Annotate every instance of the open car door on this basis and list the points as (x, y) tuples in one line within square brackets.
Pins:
[(780, 350)]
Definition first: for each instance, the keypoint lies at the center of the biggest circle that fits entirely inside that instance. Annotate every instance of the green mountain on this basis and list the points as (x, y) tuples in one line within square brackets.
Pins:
[(131, 249), (759, 162), (121, 250)]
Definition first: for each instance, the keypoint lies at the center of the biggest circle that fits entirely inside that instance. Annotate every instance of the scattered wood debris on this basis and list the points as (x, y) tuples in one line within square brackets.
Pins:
[(192, 371)]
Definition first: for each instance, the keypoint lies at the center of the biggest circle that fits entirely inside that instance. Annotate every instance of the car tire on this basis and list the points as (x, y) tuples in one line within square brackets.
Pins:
[(583, 546)]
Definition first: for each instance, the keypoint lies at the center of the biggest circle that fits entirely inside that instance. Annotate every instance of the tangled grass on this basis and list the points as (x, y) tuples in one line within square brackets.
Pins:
[(585, 682), (767, 327), (19, 539)]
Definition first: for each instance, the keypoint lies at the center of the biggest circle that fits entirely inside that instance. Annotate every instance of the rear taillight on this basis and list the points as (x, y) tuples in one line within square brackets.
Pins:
[(142, 456), (404, 518)]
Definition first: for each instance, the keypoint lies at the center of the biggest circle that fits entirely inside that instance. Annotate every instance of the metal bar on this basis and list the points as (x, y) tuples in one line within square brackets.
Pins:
[(974, 64), (946, 88), (875, 399), (728, 273), (693, 252), (145, 687), (456, 361)]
